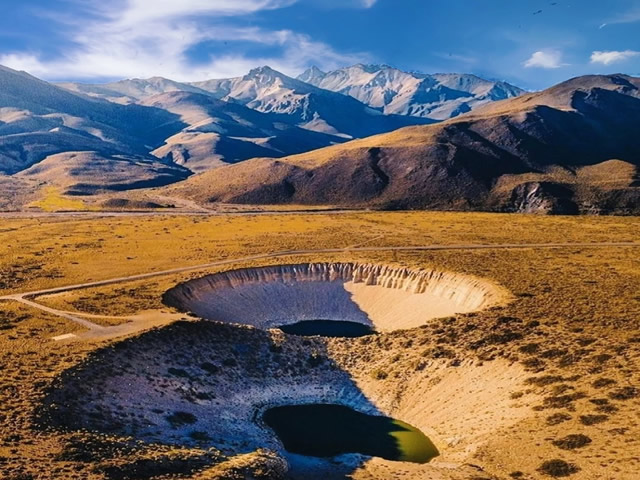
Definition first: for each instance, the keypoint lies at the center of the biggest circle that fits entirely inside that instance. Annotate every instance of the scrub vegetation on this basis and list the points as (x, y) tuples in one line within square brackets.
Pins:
[(560, 363)]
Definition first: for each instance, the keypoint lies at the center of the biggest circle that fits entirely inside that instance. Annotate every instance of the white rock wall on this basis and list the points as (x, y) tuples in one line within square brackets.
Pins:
[(381, 296)]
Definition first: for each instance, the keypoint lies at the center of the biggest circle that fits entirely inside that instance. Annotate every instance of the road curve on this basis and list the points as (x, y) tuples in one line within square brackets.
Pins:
[(26, 297)]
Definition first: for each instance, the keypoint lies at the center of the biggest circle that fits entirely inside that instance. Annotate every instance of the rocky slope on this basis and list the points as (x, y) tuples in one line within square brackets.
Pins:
[(305, 105), (220, 132), (38, 119), (438, 96), (572, 148), (162, 125), (86, 173)]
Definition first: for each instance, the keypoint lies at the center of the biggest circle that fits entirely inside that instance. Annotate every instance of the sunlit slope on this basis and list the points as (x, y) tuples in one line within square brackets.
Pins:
[(467, 162)]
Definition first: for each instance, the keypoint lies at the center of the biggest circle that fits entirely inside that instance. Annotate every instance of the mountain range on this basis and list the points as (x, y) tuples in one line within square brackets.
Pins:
[(573, 148), (163, 131), (362, 136), (394, 92)]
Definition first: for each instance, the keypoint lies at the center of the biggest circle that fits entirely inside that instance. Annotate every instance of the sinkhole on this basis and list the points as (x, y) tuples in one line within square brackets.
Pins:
[(317, 404), (304, 299)]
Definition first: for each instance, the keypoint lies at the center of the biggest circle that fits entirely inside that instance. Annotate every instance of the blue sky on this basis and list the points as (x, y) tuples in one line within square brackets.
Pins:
[(531, 43)]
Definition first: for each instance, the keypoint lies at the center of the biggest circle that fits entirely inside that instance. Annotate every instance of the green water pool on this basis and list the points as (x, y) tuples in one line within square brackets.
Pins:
[(325, 430)]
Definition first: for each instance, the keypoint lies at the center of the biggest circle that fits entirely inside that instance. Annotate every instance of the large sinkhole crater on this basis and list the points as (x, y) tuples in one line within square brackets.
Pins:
[(381, 297), (214, 382)]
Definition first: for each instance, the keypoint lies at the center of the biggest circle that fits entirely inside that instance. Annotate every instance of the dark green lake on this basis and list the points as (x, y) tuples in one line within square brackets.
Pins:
[(322, 430), (327, 328)]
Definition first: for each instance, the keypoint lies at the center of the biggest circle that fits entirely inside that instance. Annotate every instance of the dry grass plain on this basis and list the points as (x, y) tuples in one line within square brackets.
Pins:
[(565, 354)]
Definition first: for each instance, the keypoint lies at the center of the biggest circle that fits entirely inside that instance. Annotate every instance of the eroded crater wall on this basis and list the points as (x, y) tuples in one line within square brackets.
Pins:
[(384, 297)]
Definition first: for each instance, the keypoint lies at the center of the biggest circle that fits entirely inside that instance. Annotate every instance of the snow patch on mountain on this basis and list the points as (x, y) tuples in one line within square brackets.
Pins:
[(393, 91)]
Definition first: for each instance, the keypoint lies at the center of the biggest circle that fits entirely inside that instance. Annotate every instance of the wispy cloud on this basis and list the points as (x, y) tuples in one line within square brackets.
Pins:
[(545, 59), (612, 56), (630, 16), (368, 3), (153, 37)]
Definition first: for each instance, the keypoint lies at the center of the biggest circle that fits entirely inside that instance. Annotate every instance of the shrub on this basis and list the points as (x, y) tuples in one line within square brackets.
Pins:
[(179, 419), (573, 441), (625, 393), (544, 380), (199, 436), (177, 372), (229, 362), (558, 468), (379, 374), (558, 418), (315, 360), (603, 382), (210, 368), (593, 419)]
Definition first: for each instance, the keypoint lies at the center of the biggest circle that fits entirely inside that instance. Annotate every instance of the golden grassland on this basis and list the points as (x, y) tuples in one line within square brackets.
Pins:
[(573, 327), (53, 200)]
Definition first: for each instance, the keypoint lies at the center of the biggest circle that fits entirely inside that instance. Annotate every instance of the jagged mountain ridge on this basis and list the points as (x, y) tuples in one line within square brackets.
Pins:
[(130, 90), (393, 91), (268, 91)]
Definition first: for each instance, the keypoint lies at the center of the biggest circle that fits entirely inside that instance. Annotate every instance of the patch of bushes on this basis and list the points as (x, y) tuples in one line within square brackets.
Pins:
[(178, 372), (230, 362), (379, 374), (180, 419), (603, 382), (624, 393), (199, 436), (92, 448), (593, 419), (315, 360), (558, 418), (573, 441), (562, 401), (558, 468), (502, 338), (530, 348), (210, 368), (603, 405), (544, 380)]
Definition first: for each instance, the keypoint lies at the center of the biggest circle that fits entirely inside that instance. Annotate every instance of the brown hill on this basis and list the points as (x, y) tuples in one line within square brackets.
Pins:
[(218, 132), (549, 151), (85, 173)]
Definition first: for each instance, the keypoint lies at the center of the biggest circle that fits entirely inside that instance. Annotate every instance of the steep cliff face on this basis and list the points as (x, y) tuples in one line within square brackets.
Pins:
[(384, 297)]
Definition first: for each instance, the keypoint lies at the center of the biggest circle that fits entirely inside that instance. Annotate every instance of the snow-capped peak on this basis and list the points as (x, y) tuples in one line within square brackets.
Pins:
[(311, 75), (394, 91)]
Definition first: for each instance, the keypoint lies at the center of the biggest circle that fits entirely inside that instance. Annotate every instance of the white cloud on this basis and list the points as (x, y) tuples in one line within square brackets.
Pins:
[(612, 56), (368, 3), (144, 10), (147, 38), (26, 62), (545, 59)]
